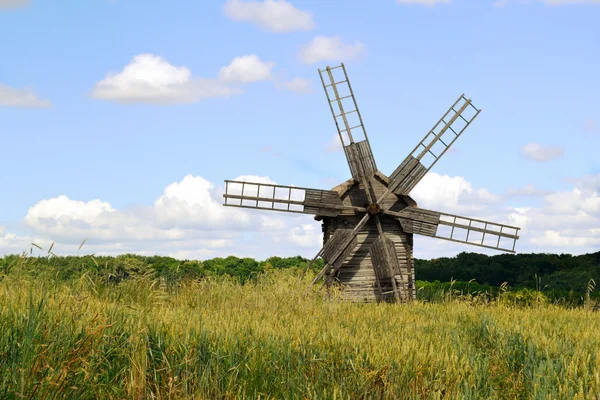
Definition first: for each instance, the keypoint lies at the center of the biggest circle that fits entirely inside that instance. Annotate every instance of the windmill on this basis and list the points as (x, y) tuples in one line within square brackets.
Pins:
[(369, 221)]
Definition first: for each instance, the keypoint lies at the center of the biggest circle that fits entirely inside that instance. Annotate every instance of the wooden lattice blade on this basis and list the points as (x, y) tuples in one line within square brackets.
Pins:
[(384, 258), (265, 196), (433, 146), (338, 246), (365, 158), (459, 229), (348, 122)]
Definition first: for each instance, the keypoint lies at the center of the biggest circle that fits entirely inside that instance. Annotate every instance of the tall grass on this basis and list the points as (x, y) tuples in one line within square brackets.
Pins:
[(215, 338)]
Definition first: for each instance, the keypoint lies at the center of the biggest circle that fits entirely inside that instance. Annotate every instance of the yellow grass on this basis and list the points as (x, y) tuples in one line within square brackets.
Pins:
[(219, 339)]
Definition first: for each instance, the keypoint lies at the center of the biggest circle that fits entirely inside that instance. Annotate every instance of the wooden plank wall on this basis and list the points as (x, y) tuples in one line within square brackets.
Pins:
[(357, 272)]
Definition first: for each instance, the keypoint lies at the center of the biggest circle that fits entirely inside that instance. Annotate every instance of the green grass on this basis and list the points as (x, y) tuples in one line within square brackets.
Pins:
[(215, 338)]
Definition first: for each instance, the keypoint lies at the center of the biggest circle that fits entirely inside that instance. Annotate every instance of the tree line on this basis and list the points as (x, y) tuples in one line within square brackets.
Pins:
[(558, 273)]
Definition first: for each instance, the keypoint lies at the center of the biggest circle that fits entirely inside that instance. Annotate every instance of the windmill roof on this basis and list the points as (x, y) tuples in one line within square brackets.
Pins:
[(342, 188)]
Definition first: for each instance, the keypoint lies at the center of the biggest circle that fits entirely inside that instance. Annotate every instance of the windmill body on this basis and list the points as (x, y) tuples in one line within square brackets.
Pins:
[(357, 272), (369, 221)]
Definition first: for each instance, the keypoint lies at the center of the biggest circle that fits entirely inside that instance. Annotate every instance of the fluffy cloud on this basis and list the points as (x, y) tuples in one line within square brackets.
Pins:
[(15, 244), (13, 3), (568, 221), (323, 48), (247, 69), (525, 191), (428, 3), (453, 194), (565, 222), (151, 79), (11, 97), (187, 220), (305, 236), (193, 204), (335, 144), (272, 15), (540, 153)]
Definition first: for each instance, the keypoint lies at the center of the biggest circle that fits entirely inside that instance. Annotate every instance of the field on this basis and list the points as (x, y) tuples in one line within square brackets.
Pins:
[(216, 338)]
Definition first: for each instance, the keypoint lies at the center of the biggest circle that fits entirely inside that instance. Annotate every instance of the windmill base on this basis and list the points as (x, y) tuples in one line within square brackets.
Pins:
[(368, 292)]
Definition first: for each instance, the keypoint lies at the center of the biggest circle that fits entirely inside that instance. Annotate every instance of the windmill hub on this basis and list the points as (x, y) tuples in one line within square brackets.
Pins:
[(373, 209)]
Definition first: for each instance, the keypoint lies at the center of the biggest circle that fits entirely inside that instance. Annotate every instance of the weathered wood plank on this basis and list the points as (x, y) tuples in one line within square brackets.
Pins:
[(334, 248), (356, 274), (384, 258), (411, 180)]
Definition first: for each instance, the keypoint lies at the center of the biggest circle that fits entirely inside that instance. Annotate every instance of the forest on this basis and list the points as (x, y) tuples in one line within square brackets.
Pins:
[(558, 276)]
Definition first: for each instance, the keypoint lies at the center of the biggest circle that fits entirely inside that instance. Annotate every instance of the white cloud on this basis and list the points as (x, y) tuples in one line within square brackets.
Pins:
[(151, 79), (297, 85), (305, 236), (187, 220), (272, 15), (335, 144), (552, 238), (11, 97), (567, 221), (192, 203), (540, 153), (452, 194), (13, 3), (11, 243), (428, 3), (247, 69), (333, 48), (525, 191)]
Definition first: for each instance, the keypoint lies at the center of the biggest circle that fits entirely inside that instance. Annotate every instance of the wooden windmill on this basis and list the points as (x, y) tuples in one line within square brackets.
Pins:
[(369, 221)]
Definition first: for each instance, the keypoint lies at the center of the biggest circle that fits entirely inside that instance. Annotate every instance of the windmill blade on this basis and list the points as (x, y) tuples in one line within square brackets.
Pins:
[(293, 199), (458, 229), (385, 264), (336, 254), (410, 285), (348, 122), (337, 248), (433, 146)]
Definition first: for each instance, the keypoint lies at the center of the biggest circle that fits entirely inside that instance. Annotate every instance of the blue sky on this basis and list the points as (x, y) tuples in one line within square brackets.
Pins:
[(107, 106)]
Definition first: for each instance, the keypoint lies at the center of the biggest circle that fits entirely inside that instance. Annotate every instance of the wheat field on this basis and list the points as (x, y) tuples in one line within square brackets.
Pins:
[(218, 339)]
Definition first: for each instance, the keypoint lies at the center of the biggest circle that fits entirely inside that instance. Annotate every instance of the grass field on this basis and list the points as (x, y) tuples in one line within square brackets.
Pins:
[(215, 338)]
